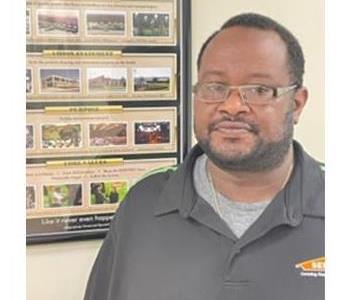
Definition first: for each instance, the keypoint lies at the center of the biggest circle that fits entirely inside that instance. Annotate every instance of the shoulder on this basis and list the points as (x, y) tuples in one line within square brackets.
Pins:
[(314, 187), (137, 208), (315, 169), (153, 181), (145, 192)]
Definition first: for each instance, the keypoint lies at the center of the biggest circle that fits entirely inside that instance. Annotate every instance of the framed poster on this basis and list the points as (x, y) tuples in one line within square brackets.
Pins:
[(70, 198), (108, 91)]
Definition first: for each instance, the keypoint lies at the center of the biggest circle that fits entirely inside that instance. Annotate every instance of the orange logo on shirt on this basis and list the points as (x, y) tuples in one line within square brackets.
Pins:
[(312, 265)]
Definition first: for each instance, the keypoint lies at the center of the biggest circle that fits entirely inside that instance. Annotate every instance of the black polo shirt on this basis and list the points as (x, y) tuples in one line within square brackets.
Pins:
[(166, 243)]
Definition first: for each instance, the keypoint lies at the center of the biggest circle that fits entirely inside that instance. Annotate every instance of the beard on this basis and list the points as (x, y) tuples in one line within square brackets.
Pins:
[(263, 156)]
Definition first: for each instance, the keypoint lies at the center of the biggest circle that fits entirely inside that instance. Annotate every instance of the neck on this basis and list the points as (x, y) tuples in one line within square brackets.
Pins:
[(251, 186)]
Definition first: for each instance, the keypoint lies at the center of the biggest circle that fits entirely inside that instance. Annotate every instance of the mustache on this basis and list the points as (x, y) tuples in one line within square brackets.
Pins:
[(252, 127)]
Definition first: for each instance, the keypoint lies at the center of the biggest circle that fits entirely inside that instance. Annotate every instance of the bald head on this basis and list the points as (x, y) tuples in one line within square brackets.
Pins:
[(295, 57)]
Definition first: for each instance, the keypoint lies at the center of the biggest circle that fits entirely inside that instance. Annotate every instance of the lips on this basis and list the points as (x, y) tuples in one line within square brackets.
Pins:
[(233, 129), (232, 125)]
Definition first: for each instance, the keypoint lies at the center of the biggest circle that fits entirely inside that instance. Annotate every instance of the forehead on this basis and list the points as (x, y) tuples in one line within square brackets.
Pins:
[(244, 52)]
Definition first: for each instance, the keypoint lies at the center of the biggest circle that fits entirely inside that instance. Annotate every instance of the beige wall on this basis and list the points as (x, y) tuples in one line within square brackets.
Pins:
[(59, 271)]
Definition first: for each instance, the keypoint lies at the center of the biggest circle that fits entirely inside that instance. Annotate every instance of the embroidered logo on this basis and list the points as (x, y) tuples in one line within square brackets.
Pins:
[(312, 267)]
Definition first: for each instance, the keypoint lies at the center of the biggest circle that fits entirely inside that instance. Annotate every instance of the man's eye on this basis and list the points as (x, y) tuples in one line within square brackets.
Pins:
[(261, 90), (217, 88)]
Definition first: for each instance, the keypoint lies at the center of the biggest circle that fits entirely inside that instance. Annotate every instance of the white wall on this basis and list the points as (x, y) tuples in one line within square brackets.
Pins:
[(59, 271)]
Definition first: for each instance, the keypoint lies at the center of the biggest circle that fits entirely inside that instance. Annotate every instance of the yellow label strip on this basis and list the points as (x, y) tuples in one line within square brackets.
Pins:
[(82, 53), (85, 162), (84, 109)]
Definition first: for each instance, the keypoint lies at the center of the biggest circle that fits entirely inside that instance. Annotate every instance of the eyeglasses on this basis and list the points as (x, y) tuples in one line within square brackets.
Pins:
[(250, 94)]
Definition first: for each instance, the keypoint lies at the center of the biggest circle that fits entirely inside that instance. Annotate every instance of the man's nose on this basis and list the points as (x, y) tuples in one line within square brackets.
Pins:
[(234, 103)]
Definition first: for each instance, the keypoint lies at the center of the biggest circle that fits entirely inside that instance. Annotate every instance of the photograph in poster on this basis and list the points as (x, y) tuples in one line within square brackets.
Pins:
[(29, 81), (58, 22), (107, 134), (28, 23), (151, 79), (109, 192), (30, 197), (152, 132), (59, 81), (61, 136), (29, 137), (63, 195), (107, 80), (105, 23), (148, 24)]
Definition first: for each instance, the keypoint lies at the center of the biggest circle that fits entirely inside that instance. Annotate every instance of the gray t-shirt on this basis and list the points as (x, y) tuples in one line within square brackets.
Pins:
[(239, 216)]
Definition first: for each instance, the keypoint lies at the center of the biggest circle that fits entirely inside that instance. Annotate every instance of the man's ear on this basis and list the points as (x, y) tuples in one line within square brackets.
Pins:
[(300, 99)]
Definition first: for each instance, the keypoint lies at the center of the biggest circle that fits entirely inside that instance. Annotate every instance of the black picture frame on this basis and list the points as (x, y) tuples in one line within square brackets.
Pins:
[(37, 231)]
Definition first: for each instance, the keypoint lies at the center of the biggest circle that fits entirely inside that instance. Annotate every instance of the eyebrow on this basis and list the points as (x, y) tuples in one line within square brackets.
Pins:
[(250, 76), (210, 73), (259, 75)]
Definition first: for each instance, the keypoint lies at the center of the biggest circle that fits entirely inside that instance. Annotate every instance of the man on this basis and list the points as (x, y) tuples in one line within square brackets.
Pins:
[(98, 191), (114, 195), (245, 219)]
